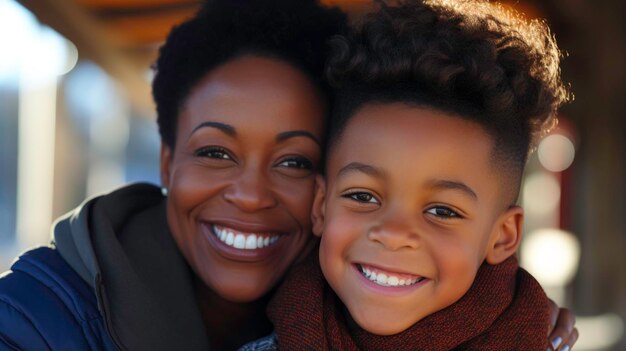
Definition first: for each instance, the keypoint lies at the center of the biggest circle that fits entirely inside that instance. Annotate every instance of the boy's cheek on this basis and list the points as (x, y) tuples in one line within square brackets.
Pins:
[(341, 234)]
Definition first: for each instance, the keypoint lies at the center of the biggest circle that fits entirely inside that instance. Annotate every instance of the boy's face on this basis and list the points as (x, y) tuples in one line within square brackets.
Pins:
[(411, 209)]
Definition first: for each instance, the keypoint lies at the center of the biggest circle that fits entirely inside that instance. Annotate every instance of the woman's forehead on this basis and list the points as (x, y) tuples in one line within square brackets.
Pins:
[(254, 91)]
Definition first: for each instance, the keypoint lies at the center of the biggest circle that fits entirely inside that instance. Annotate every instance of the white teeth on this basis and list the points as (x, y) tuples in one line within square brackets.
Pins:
[(244, 241), (393, 281), (251, 242), (230, 239), (240, 241), (385, 280)]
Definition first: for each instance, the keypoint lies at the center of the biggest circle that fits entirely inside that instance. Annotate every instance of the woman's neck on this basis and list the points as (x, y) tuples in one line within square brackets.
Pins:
[(230, 325)]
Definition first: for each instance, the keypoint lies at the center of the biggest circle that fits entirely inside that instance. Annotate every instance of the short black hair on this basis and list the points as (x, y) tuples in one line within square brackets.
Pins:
[(296, 32), (473, 59)]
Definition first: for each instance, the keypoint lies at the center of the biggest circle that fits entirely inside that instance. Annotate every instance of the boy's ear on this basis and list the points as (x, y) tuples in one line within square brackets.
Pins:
[(165, 162), (506, 236), (319, 204)]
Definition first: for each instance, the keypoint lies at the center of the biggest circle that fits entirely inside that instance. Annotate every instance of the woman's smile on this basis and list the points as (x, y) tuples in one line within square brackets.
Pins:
[(243, 245), (245, 240)]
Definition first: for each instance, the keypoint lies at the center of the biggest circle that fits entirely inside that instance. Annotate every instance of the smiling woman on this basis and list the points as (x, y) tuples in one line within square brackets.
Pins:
[(241, 113), (261, 174)]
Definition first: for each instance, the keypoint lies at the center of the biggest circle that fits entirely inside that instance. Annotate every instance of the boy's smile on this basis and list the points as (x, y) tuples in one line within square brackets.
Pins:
[(411, 209)]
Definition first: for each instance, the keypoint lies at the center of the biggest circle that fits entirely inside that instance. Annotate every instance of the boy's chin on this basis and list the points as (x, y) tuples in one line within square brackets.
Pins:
[(383, 325)]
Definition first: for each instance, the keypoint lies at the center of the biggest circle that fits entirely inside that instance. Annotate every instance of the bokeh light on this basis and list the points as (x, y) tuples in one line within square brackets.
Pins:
[(29, 47), (541, 193), (551, 256), (556, 152)]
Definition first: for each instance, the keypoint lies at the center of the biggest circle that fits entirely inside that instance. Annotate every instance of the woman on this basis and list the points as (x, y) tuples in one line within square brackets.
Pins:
[(241, 117)]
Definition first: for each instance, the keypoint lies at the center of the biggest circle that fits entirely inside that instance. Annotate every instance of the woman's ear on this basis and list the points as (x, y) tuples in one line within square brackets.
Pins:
[(319, 203), (506, 236), (166, 160)]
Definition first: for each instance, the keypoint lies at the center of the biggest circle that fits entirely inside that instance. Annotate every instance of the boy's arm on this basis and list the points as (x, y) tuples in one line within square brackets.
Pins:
[(563, 334)]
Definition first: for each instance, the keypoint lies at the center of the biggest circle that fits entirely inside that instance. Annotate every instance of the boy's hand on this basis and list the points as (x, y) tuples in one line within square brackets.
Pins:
[(563, 335)]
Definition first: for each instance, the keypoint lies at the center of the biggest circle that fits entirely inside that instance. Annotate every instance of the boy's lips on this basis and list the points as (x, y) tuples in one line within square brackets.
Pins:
[(240, 245), (387, 278)]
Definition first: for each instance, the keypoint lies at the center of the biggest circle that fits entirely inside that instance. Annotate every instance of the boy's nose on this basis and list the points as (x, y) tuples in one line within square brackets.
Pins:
[(395, 234), (250, 192)]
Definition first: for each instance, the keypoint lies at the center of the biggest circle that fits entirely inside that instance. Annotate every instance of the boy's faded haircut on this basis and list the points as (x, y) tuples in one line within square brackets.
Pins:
[(473, 59)]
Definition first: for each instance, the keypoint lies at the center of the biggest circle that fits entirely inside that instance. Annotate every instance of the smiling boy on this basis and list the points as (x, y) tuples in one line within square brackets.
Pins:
[(438, 104), (410, 214)]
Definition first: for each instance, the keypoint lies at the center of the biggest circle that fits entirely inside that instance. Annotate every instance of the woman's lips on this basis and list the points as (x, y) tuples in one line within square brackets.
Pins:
[(243, 240), (239, 245)]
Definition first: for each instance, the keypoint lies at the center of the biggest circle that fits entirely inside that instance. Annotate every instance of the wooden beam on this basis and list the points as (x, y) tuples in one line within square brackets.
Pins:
[(93, 42), (139, 30), (121, 4)]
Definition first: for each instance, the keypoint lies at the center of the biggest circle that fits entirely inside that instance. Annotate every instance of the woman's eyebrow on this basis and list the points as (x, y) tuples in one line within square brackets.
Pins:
[(297, 133), (225, 128)]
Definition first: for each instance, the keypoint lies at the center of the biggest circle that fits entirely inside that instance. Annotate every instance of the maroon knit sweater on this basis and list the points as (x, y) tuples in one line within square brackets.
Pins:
[(505, 309)]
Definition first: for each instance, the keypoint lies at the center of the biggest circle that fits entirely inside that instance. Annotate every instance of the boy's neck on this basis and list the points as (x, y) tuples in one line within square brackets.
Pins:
[(352, 326)]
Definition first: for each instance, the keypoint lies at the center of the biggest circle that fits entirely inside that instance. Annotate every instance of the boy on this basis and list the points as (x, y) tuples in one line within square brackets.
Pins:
[(437, 106)]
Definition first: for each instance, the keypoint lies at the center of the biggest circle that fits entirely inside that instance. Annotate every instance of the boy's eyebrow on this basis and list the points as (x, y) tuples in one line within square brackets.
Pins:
[(363, 168), (297, 133), (453, 185), (226, 128)]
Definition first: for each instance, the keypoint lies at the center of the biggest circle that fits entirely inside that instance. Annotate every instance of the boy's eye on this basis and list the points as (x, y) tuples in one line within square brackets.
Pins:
[(213, 152), (362, 196), (296, 162), (443, 212)]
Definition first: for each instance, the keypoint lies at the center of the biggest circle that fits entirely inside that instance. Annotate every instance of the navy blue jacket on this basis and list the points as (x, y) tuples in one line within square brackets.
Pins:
[(112, 278), (45, 305)]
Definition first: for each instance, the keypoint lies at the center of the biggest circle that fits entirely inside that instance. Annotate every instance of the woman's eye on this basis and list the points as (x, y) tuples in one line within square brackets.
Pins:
[(361, 196), (296, 162), (213, 152), (443, 212)]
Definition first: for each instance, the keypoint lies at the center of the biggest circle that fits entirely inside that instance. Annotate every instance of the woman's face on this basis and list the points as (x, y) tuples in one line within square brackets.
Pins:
[(240, 179)]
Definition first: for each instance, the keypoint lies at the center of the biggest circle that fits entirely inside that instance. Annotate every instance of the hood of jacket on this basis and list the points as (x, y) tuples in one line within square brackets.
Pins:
[(119, 243)]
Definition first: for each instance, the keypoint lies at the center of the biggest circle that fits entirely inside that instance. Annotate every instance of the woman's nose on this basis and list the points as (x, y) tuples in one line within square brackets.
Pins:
[(250, 192)]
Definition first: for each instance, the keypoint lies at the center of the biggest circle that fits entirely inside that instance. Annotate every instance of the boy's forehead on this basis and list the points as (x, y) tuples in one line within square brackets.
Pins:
[(415, 143), (394, 124)]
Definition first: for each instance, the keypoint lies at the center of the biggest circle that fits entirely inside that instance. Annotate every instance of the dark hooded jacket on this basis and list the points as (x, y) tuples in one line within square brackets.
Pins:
[(112, 278)]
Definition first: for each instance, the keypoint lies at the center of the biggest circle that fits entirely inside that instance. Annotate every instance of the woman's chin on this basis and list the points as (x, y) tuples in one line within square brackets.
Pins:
[(240, 293)]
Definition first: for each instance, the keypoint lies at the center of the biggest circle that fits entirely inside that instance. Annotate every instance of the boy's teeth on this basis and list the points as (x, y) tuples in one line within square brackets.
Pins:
[(392, 281), (386, 279), (244, 241)]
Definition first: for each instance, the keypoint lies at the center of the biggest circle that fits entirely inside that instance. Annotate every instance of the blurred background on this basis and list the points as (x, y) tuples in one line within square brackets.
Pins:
[(77, 119)]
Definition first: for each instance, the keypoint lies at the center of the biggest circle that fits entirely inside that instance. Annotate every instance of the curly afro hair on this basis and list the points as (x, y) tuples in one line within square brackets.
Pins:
[(296, 32), (473, 59)]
